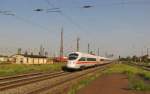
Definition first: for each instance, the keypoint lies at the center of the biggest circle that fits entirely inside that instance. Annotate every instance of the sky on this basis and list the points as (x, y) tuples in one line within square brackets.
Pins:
[(119, 27)]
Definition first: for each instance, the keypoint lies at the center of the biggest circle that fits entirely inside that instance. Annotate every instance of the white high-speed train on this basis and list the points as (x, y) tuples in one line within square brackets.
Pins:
[(78, 60)]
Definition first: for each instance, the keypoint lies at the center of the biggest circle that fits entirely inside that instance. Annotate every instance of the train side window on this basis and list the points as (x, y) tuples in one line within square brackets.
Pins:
[(91, 59), (82, 59), (101, 59)]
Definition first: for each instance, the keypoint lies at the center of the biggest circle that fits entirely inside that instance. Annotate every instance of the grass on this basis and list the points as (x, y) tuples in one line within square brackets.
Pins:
[(135, 76), (13, 69), (82, 83), (131, 71), (145, 75), (138, 84), (122, 68)]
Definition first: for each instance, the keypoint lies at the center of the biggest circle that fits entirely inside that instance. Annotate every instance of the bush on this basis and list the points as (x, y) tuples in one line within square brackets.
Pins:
[(138, 85), (145, 75)]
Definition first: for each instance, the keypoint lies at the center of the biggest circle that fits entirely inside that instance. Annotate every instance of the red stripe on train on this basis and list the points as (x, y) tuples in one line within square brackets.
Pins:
[(86, 63)]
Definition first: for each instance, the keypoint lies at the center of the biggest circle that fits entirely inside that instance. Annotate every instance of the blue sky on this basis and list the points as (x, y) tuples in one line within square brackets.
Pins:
[(121, 27)]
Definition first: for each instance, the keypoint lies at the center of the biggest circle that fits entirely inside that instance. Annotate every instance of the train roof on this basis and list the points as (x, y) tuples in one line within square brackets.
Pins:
[(90, 55), (80, 53)]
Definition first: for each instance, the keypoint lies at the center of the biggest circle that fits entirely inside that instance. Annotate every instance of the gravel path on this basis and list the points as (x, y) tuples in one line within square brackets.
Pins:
[(109, 84)]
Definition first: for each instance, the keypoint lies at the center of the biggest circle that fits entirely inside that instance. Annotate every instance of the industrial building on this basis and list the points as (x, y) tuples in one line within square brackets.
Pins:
[(29, 59), (3, 58)]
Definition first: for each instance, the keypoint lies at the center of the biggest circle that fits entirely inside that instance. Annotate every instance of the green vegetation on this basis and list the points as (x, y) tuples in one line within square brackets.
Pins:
[(122, 68), (82, 83), (4, 62), (145, 75), (13, 69), (144, 59), (138, 84), (136, 76)]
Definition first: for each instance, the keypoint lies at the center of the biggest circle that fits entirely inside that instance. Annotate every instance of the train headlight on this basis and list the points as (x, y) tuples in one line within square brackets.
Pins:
[(72, 62)]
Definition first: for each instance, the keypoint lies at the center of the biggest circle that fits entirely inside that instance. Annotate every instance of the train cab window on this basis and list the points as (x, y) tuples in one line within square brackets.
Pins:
[(73, 56), (82, 59), (91, 59)]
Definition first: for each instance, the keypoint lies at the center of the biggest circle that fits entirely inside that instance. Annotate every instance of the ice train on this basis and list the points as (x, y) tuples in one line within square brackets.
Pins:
[(78, 60)]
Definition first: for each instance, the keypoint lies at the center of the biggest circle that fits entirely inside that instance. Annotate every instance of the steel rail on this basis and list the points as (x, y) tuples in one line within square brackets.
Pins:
[(42, 89), (24, 81)]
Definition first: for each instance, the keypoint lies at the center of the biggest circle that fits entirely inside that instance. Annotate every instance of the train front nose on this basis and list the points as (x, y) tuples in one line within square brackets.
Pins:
[(70, 63), (72, 59)]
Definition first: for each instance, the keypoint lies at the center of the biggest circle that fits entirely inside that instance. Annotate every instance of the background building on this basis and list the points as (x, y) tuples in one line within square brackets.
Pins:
[(3, 59), (29, 59)]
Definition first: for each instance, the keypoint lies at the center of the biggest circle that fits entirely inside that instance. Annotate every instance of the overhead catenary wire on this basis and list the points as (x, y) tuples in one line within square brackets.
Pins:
[(67, 17), (23, 19), (135, 2), (31, 22), (126, 2)]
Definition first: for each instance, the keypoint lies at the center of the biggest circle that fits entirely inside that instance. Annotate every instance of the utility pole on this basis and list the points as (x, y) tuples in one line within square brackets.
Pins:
[(98, 52), (106, 54), (142, 52), (42, 50), (61, 43), (147, 51), (19, 51), (78, 39), (88, 48)]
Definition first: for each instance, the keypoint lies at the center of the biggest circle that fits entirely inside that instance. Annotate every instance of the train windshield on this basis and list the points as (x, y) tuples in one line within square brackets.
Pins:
[(73, 56)]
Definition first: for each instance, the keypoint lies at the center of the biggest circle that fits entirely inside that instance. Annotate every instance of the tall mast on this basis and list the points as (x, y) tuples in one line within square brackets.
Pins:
[(98, 52), (78, 39), (88, 48), (61, 44)]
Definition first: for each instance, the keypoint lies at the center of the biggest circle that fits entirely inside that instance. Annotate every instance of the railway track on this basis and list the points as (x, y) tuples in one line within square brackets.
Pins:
[(140, 66), (39, 83), (23, 80), (69, 79), (19, 76)]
